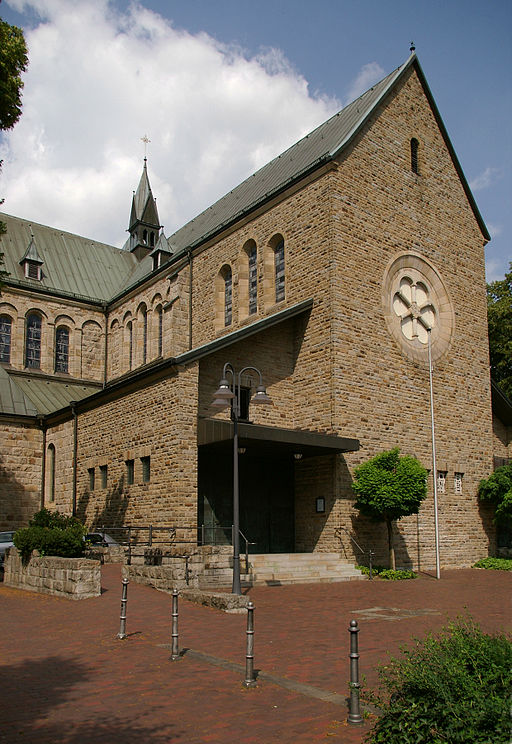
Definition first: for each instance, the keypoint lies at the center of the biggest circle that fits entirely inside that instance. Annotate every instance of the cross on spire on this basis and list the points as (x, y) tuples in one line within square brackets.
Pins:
[(146, 141)]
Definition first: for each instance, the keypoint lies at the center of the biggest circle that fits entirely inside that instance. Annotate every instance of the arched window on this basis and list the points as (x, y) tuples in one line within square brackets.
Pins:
[(160, 329), (144, 315), (5, 338), (129, 328), (414, 155), (279, 269), (252, 255), (33, 342), (145, 237), (62, 349), (228, 295), (50, 472)]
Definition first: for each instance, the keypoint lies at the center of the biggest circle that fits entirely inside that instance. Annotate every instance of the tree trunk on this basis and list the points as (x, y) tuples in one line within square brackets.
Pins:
[(391, 546)]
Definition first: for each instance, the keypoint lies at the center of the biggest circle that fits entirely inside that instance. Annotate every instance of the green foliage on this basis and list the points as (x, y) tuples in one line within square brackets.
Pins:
[(388, 573), (499, 318), (497, 489), (51, 533), (13, 61), (499, 564), (453, 688), (389, 487)]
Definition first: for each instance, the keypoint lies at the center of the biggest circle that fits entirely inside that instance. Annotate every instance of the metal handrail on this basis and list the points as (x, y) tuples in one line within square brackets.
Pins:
[(369, 552), (247, 543)]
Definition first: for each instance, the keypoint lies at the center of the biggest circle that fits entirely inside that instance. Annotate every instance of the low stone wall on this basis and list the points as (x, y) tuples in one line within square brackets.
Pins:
[(73, 578), (168, 569)]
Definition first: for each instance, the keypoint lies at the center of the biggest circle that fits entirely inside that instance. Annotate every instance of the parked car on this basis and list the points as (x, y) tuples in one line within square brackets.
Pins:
[(100, 539), (5, 542)]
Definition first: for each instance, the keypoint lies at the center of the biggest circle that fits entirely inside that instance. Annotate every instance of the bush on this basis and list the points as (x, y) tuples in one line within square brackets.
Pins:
[(388, 573), (51, 533), (501, 564), (452, 688)]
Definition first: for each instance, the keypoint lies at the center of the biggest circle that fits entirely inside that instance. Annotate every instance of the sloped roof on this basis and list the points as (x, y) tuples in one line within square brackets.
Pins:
[(320, 146), (25, 395), (12, 399), (72, 265)]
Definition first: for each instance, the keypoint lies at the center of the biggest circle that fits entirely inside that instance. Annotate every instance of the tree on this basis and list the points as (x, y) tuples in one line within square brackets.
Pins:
[(497, 489), (390, 487), (499, 316), (13, 61)]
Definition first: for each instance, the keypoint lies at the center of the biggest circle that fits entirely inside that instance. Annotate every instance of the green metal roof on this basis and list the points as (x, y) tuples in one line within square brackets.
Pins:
[(72, 265), (12, 399), (25, 395)]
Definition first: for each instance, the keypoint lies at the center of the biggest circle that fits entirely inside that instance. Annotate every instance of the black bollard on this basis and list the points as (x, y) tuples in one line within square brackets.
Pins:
[(175, 652), (249, 680), (354, 715), (124, 601)]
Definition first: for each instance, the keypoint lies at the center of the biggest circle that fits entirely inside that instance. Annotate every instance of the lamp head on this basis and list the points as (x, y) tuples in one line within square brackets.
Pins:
[(260, 396)]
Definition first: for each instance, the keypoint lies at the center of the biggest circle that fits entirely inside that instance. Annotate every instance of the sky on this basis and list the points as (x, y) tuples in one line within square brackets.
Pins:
[(220, 87)]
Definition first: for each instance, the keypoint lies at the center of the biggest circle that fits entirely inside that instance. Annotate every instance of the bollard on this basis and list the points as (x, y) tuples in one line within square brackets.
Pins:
[(124, 600), (249, 680), (175, 651), (354, 715)]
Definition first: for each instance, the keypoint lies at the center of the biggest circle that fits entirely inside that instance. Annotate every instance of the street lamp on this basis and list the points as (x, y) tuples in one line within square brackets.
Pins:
[(227, 394)]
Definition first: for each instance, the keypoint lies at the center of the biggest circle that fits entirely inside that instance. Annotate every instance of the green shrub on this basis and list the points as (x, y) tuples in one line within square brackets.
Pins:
[(453, 688), (501, 564), (388, 573), (51, 533)]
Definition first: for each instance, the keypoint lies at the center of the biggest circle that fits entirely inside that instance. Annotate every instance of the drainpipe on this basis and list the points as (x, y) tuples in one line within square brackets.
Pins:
[(105, 351), (75, 451), (43, 427), (190, 298)]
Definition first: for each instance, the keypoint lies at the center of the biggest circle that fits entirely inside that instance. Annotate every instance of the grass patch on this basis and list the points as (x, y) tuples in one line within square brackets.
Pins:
[(498, 564)]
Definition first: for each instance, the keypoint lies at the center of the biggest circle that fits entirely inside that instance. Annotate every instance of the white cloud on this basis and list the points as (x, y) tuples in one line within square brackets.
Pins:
[(368, 75), (485, 179), (99, 79)]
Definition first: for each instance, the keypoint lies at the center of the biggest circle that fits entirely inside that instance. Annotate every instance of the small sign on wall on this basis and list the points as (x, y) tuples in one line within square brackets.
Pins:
[(320, 505)]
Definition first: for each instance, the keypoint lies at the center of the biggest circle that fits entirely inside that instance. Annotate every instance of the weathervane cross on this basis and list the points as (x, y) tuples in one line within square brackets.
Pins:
[(146, 141)]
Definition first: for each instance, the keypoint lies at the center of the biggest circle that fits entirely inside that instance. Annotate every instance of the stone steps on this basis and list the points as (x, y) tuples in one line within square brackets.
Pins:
[(284, 568)]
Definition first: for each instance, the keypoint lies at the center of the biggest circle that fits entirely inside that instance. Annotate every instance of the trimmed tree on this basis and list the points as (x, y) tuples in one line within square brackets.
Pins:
[(390, 487), (497, 489)]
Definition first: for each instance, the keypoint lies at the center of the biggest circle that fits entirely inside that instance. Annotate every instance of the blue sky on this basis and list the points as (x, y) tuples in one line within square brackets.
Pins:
[(225, 85)]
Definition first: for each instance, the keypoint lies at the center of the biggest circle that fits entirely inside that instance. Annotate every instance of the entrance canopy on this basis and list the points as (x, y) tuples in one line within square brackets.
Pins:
[(261, 440)]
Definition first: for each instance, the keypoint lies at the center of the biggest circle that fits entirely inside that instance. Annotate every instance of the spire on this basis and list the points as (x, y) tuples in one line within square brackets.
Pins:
[(144, 224)]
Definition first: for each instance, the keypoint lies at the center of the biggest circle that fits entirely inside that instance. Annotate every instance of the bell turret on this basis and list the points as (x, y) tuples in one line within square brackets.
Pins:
[(144, 225)]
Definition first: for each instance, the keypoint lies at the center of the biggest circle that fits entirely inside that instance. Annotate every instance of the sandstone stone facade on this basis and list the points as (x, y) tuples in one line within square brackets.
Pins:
[(72, 578), (331, 288)]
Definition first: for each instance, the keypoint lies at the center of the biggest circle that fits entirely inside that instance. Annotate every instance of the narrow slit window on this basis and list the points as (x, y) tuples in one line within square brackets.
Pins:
[(144, 337), (146, 469), (414, 155), (228, 297), (130, 472), (160, 330), (62, 350), (253, 281), (441, 481), (92, 478), (51, 472), (5, 338), (33, 342), (104, 475), (457, 482), (279, 270)]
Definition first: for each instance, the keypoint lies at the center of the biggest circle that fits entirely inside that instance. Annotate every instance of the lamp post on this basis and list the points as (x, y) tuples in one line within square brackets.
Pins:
[(434, 465), (229, 393)]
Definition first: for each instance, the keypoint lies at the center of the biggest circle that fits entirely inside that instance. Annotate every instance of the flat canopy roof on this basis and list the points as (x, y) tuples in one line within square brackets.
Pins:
[(260, 440)]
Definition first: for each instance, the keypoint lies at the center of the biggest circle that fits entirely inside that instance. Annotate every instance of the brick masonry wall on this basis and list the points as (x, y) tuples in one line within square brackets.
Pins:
[(159, 422), (380, 208), (20, 474), (72, 578), (85, 325)]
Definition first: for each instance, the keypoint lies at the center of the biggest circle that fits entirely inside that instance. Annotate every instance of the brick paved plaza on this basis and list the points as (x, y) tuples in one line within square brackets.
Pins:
[(67, 679)]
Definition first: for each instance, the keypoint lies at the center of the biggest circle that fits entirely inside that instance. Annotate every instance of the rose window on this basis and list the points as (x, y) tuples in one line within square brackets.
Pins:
[(413, 305), (415, 301)]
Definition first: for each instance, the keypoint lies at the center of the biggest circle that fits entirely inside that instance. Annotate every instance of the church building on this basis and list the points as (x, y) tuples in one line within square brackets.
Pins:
[(318, 285)]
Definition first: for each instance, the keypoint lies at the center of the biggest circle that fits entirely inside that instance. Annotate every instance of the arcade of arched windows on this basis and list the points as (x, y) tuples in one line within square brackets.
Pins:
[(35, 339), (256, 287), (137, 337)]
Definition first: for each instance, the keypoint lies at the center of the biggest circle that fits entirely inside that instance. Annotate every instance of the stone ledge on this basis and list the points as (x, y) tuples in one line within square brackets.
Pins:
[(233, 603), (72, 578)]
